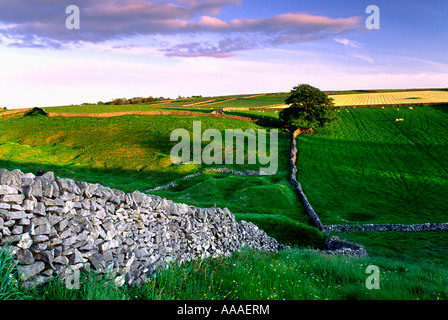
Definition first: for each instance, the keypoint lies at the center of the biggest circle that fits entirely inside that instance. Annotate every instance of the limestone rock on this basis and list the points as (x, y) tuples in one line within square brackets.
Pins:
[(61, 260), (11, 178), (5, 189), (12, 215), (25, 241), (25, 257), (40, 209), (28, 271), (35, 189), (12, 198)]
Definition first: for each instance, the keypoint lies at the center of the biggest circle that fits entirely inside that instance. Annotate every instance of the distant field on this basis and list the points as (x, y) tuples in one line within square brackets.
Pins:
[(390, 98), (254, 102), (108, 108), (368, 168), (197, 104), (272, 100)]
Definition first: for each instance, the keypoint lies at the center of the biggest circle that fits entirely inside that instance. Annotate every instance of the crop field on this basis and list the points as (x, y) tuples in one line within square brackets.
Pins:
[(192, 104), (390, 98), (271, 100)]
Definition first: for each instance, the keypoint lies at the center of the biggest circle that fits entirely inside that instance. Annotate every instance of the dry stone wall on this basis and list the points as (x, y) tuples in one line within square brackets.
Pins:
[(54, 225), (388, 227), (219, 170), (298, 187)]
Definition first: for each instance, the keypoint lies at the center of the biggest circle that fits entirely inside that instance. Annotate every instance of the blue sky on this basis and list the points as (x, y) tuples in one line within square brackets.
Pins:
[(131, 48)]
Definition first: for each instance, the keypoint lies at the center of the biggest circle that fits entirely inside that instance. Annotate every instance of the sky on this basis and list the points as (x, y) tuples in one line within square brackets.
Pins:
[(171, 48)]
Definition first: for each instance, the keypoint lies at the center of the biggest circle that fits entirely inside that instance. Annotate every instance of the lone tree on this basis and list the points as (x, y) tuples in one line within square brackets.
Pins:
[(309, 108)]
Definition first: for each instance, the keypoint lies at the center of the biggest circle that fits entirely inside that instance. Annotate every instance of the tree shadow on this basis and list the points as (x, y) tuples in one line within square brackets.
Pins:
[(441, 108)]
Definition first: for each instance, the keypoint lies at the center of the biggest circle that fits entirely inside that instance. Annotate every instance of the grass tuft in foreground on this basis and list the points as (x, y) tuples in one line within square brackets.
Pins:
[(10, 288), (255, 275)]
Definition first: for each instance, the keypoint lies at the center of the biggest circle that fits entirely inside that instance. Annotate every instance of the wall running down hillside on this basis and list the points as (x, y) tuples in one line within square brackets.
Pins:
[(54, 226), (293, 178)]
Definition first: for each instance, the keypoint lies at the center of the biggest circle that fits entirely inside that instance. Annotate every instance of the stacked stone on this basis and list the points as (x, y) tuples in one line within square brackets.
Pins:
[(389, 227), (296, 184), (55, 225), (344, 248)]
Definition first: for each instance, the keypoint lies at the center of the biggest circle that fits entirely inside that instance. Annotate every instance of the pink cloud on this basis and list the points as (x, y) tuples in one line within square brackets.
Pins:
[(294, 22), (211, 22), (119, 20), (259, 33)]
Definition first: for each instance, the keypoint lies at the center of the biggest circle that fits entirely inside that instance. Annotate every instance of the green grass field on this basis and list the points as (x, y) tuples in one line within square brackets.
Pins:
[(106, 150), (252, 275), (368, 168), (255, 102), (257, 114), (133, 153)]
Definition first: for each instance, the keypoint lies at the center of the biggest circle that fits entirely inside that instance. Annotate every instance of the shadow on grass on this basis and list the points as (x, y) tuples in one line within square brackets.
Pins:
[(442, 108)]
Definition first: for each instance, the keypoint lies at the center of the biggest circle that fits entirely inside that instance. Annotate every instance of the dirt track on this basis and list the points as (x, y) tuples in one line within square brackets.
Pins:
[(10, 112)]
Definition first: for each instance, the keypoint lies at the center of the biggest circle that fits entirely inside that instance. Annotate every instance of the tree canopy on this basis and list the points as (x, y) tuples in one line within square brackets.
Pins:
[(310, 108)]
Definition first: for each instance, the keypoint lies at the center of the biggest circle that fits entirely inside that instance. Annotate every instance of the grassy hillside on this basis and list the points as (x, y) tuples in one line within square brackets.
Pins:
[(107, 150), (133, 153), (368, 168)]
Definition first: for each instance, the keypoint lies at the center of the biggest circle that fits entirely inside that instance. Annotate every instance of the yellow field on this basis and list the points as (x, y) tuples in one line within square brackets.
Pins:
[(390, 98)]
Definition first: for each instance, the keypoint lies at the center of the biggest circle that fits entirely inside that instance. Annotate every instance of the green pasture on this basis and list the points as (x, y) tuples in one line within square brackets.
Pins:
[(133, 153), (370, 168)]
